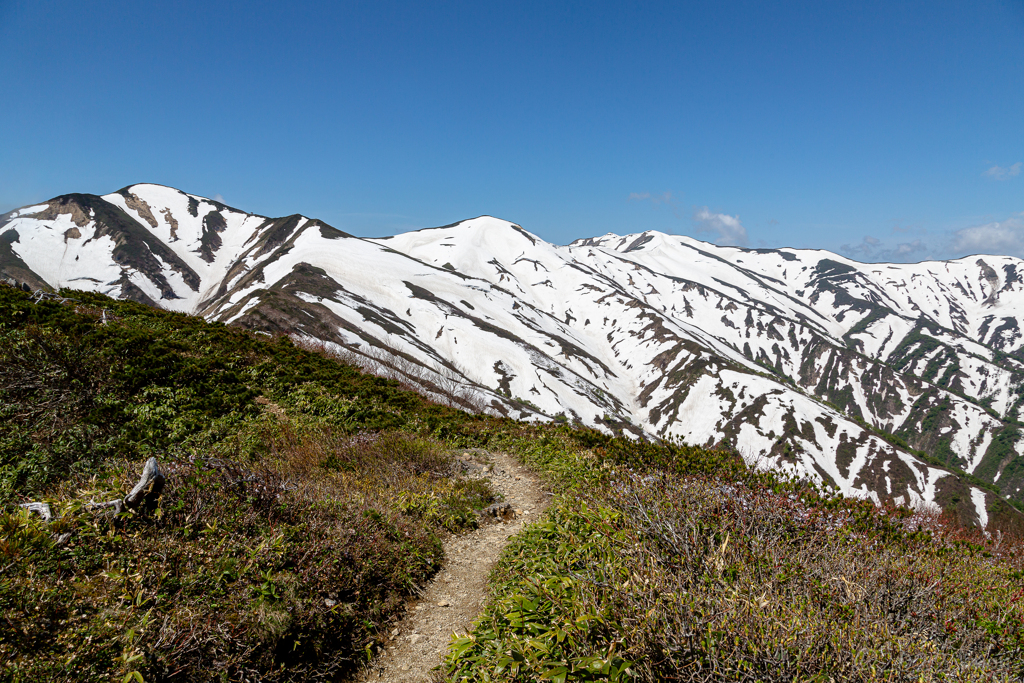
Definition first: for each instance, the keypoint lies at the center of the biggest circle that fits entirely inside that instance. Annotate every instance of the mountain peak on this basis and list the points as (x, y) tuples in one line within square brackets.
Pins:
[(801, 360)]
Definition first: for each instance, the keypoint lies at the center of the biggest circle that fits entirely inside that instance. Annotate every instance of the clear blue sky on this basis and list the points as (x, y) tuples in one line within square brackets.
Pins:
[(810, 124)]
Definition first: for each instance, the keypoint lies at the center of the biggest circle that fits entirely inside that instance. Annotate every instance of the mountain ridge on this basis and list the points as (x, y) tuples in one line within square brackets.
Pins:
[(802, 360)]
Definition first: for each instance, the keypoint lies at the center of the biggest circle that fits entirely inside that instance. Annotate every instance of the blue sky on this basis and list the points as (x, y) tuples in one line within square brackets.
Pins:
[(883, 130)]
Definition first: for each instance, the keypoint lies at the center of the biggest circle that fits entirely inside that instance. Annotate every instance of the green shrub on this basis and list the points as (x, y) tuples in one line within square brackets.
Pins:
[(296, 520), (691, 570), (288, 566)]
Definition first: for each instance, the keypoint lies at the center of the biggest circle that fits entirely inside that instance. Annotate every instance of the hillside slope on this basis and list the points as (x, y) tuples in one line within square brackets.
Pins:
[(802, 361), (305, 504)]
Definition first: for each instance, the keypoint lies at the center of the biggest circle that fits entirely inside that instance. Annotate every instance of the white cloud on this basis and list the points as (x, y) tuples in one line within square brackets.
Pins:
[(999, 237), (905, 250), (664, 198), (729, 229), (1001, 173), (873, 250), (218, 198), (657, 200)]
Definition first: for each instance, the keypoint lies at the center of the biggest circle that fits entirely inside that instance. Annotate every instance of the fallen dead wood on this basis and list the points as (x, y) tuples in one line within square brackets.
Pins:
[(143, 497), (41, 509), (145, 494)]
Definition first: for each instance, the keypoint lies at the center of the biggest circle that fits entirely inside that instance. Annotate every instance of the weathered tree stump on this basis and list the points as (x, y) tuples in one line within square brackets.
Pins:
[(144, 497)]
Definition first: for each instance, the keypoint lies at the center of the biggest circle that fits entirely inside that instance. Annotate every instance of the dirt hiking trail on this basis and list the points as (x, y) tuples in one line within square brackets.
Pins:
[(458, 593)]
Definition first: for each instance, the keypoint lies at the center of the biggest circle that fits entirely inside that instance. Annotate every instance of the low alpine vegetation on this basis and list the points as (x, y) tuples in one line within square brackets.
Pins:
[(691, 570), (303, 502)]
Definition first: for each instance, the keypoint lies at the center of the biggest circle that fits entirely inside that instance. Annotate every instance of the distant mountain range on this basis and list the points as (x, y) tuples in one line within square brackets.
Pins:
[(887, 380)]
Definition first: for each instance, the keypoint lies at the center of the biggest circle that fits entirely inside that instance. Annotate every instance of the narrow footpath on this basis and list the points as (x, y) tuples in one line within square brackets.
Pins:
[(458, 593)]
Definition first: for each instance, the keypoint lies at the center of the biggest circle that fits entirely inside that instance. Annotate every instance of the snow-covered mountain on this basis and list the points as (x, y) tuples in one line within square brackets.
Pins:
[(801, 360)]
